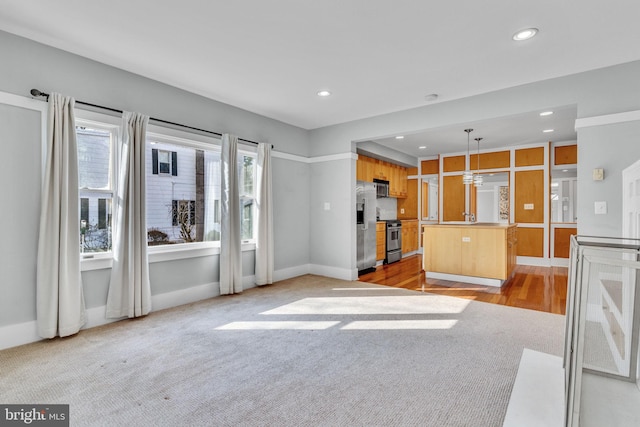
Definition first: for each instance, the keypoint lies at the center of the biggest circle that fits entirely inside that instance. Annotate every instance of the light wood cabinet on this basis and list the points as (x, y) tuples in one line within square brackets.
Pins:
[(408, 206), (409, 236), (368, 169), (487, 251), (381, 240)]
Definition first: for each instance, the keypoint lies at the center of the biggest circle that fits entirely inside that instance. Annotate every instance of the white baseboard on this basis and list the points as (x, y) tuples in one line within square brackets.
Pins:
[(288, 273), (18, 334), (560, 262), (333, 272), (534, 261)]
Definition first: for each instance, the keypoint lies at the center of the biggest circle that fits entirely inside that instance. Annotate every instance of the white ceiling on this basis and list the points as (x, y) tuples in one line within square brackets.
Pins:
[(519, 129), (375, 56)]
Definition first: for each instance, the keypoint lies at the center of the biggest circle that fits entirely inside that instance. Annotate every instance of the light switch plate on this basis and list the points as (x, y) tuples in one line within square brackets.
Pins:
[(327, 206), (528, 206), (600, 208)]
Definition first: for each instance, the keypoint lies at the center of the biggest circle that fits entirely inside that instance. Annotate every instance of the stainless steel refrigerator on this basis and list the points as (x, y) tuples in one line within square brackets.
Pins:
[(366, 226)]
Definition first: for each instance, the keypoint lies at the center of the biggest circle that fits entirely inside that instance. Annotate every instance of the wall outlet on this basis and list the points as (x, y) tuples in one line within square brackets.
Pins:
[(600, 208), (466, 239), (402, 210), (528, 206)]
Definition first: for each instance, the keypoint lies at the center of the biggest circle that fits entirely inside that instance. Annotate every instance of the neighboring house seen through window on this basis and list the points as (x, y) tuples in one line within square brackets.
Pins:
[(96, 183), (182, 208)]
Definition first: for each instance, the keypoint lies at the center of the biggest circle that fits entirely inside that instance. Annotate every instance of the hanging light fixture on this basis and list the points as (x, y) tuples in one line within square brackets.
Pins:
[(467, 175), (477, 179)]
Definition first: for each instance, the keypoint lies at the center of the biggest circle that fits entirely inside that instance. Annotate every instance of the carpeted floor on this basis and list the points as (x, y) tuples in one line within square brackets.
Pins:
[(309, 351)]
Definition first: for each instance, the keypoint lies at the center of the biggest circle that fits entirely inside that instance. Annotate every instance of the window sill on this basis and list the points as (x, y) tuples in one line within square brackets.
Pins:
[(161, 254)]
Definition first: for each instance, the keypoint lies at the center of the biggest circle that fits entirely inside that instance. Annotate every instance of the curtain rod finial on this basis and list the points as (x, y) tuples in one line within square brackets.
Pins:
[(36, 93)]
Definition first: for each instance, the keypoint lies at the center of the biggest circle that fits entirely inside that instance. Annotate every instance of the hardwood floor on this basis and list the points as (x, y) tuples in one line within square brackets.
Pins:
[(534, 288)]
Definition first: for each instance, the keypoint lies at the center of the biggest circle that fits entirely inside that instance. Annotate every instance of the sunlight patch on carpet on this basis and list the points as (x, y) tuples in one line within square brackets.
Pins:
[(288, 324), (400, 324), (421, 304)]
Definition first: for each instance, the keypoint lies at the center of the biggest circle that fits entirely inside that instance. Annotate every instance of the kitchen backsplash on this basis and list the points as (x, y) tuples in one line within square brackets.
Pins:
[(387, 208)]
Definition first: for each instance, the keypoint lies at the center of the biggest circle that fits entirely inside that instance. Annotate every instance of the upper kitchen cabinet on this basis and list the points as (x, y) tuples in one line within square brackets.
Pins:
[(368, 169)]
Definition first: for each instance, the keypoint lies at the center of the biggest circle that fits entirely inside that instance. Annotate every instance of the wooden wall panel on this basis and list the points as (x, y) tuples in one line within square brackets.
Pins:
[(496, 160), (453, 164), (529, 190), (410, 203), (453, 193), (412, 171), (562, 241), (530, 156), (566, 155), (430, 167), (530, 242)]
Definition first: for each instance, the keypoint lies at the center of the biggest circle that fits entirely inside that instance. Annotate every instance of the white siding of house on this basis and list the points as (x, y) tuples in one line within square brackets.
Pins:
[(162, 189)]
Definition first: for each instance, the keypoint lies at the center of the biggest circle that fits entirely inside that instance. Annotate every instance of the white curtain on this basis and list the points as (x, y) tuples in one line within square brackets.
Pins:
[(230, 241), (264, 202), (129, 288), (59, 300)]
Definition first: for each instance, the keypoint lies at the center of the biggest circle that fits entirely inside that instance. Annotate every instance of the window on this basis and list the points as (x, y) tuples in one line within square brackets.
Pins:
[(246, 169), (185, 207), (164, 162), (182, 207), (95, 179)]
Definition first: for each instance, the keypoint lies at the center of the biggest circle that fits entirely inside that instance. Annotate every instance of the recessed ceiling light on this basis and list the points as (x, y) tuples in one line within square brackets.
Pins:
[(324, 93), (525, 34), (422, 147), (565, 170), (431, 97), (546, 113), (547, 130), (399, 137)]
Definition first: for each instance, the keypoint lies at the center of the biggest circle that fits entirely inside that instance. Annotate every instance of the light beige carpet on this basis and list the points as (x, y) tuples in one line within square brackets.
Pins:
[(308, 351)]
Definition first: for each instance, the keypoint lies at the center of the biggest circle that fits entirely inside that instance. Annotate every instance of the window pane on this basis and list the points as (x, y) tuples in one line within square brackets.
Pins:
[(181, 208), (246, 175), (94, 158), (246, 218), (95, 232)]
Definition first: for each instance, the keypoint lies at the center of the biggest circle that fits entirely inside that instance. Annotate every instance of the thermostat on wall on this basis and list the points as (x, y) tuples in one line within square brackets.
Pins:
[(598, 174)]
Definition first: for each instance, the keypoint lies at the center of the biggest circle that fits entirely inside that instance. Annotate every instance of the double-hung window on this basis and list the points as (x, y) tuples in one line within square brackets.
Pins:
[(96, 180), (246, 184), (183, 186)]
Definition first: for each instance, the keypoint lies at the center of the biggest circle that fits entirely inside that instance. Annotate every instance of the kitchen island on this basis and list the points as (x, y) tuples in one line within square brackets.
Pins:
[(479, 253)]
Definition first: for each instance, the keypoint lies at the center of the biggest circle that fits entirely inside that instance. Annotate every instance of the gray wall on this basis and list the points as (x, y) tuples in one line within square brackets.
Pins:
[(28, 65)]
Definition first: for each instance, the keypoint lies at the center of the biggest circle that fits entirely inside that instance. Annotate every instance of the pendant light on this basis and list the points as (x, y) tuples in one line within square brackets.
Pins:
[(467, 176), (477, 179)]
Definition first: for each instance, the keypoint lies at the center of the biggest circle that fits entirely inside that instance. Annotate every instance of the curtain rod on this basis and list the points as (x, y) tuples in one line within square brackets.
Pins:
[(36, 93)]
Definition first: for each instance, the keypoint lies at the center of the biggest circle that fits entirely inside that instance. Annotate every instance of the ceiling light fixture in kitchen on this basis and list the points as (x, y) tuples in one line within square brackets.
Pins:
[(431, 97), (467, 175), (525, 34), (547, 130), (399, 137), (546, 113), (477, 179), (324, 93), (422, 147)]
